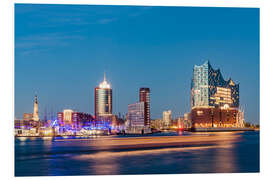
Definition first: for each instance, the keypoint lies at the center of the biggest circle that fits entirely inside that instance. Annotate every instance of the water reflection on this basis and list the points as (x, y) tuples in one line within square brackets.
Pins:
[(196, 153), (22, 138), (225, 157)]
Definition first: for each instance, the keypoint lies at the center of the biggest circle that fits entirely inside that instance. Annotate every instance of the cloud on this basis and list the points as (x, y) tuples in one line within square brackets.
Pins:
[(77, 18), (106, 20), (27, 8), (43, 42), (140, 11), (32, 51)]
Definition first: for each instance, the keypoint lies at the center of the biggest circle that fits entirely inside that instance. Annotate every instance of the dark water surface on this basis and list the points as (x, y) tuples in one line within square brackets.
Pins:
[(238, 152)]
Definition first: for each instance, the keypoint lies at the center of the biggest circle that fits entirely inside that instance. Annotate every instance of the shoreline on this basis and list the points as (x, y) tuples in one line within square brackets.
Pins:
[(149, 135), (221, 129)]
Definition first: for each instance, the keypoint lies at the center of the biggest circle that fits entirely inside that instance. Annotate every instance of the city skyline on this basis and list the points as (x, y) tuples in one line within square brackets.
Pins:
[(167, 66)]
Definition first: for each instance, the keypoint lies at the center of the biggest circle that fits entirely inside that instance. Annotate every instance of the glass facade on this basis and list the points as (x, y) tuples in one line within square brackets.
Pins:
[(103, 99), (208, 88), (136, 114)]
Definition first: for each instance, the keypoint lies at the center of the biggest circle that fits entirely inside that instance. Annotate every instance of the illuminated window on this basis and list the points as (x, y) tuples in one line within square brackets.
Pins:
[(199, 113)]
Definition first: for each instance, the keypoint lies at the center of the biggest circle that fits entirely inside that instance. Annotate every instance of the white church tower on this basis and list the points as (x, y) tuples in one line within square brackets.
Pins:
[(35, 114)]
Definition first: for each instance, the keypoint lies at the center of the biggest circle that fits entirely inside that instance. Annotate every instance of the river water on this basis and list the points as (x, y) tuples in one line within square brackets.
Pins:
[(220, 152)]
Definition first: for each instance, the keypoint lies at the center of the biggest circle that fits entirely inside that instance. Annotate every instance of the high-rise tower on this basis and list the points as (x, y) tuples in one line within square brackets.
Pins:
[(103, 99), (145, 97), (35, 113)]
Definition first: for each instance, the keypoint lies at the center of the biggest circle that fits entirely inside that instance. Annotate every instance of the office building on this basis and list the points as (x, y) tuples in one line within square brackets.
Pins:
[(136, 114), (136, 119), (145, 97), (167, 118), (103, 99)]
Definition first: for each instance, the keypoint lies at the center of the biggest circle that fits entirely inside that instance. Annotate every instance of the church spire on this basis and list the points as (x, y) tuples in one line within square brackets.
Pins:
[(35, 113), (36, 99)]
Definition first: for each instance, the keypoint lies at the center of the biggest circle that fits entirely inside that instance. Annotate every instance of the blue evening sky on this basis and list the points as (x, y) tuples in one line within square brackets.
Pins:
[(62, 51)]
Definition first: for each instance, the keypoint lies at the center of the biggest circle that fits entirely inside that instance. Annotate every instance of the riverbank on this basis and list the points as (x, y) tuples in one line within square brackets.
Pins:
[(221, 129)]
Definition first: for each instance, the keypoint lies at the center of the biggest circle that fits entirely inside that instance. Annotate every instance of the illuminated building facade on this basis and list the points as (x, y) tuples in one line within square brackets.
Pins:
[(67, 116), (28, 121), (208, 88), (136, 119), (167, 118), (214, 101), (81, 120), (107, 121), (217, 117), (157, 124), (23, 124), (145, 97), (136, 114), (74, 120), (103, 99), (27, 116), (184, 122)]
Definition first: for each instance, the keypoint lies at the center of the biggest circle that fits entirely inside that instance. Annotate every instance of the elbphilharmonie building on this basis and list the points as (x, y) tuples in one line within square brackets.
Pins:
[(214, 101), (208, 88)]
